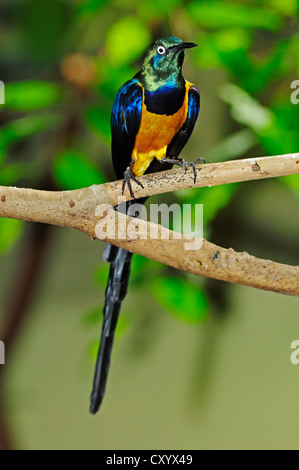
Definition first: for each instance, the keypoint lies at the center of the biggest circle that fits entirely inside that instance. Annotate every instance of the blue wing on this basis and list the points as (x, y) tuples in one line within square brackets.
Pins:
[(181, 138), (125, 123)]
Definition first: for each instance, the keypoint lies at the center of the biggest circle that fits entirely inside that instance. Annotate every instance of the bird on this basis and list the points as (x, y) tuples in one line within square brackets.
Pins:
[(152, 118)]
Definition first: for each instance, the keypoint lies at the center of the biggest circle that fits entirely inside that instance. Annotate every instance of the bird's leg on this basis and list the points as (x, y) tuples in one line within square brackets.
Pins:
[(128, 176), (183, 164)]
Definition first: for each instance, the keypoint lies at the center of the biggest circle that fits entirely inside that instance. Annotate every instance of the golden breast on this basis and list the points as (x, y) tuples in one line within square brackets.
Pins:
[(156, 131)]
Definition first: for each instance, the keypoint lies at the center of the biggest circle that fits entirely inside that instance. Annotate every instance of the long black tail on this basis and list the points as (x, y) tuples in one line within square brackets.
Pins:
[(116, 290), (120, 263)]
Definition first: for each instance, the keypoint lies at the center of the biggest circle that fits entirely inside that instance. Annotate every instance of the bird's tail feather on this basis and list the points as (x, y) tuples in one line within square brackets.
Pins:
[(120, 263)]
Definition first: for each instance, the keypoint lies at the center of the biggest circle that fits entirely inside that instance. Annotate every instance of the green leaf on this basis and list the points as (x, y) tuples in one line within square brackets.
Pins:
[(92, 317), (287, 7), (233, 146), (283, 135), (23, 128), (101, 274), (126, 40), (150, 9), (31, 95), (26, 126), (181, 298), (216, 14), (110, 77), (10, 232), (213, 199), (42, 30), (144, 269), (216, 198), (90, 6), (272, 68), (245, 109), (74, 170), (292, 181), (99, 120), (12, 173), (276, 128), (227, 47)]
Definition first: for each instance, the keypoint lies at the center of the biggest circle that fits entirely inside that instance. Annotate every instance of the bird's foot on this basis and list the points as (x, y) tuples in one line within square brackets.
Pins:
[(200, 159), (128, 176), (183, 164)]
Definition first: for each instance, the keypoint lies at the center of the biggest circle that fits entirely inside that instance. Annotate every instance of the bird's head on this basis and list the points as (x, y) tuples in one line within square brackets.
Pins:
[(163, 62)]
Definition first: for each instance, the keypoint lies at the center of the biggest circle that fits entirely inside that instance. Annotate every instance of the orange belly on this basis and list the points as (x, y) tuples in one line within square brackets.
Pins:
[(155, 133)]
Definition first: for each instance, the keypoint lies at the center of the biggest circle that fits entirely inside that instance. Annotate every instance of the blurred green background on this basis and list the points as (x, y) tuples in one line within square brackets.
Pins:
[(208, 368)]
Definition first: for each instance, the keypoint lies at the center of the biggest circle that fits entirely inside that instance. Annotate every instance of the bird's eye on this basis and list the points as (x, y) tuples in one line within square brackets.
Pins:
[(161, 50)]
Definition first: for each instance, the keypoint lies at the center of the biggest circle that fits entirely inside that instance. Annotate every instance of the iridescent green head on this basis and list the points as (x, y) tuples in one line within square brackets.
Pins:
[(163, 62)]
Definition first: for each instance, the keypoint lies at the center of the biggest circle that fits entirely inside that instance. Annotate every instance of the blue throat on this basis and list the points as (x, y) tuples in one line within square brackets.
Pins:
[(167, 99)]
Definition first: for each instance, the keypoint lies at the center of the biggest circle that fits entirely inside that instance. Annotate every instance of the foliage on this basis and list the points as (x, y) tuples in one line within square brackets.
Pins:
[(74, 170)]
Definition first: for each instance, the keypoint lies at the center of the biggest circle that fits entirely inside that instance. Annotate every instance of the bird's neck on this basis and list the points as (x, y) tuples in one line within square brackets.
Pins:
[(163, 96), (161, 80)]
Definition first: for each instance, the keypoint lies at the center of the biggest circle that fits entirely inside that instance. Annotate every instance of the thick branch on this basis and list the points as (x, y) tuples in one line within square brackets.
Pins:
[(74, 208), (197, 256), (78, 209)]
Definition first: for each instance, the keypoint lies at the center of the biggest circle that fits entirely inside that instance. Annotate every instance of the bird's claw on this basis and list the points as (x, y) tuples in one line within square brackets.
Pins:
[(200, 159), (187, 165), (128, 176), (183, 164)]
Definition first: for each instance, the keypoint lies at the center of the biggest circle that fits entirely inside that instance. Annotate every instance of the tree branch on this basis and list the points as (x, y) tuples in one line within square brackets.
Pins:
[(78, 209)]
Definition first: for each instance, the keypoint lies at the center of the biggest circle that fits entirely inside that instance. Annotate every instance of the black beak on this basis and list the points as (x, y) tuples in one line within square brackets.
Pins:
[(182, 46), (188, 45)]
